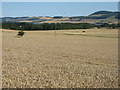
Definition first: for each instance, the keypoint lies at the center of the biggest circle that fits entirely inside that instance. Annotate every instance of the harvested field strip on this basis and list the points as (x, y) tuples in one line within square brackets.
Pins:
[(91, 35)]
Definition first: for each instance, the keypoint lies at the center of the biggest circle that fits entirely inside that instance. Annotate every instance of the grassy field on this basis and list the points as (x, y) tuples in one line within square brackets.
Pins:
[(41, 59)]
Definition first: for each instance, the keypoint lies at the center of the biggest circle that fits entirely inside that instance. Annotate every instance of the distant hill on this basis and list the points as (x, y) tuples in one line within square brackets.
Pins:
[(101, 16), (102, 12), (106, 14), (96, 17)]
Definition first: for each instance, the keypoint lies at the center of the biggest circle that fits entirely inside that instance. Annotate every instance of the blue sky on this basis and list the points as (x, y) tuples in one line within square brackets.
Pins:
[(60, 0), (18, 9)]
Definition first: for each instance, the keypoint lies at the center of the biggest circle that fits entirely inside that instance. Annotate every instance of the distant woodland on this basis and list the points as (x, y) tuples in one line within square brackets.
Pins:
[(55, 26)]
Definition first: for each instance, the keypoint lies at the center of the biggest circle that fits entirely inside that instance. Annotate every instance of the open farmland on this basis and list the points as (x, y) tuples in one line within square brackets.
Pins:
[(41, 59)]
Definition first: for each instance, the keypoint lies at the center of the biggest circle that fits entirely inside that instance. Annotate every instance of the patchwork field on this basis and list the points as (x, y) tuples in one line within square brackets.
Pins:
[(69, 59)]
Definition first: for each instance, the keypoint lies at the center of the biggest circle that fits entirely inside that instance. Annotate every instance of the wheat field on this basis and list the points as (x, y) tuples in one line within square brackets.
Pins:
[(67, 59)]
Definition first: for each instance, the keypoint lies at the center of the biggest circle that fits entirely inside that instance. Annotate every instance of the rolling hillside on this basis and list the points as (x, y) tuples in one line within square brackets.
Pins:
[(97, 17)]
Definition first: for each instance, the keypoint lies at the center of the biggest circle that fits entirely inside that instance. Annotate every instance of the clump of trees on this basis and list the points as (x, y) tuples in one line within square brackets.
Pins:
[(20, 33), (55, 26)]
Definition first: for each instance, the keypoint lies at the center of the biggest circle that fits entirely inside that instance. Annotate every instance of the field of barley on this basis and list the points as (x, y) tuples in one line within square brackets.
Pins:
[(67, 59)]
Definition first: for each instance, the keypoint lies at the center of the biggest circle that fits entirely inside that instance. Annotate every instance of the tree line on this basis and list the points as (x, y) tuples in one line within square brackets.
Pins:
[(54, 26), (109, 26)]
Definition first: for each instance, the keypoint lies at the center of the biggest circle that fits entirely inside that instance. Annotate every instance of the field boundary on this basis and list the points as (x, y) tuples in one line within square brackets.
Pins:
[(90, 35)]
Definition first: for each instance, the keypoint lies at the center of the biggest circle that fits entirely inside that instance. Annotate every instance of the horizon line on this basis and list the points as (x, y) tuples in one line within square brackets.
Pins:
[(56, 15)]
